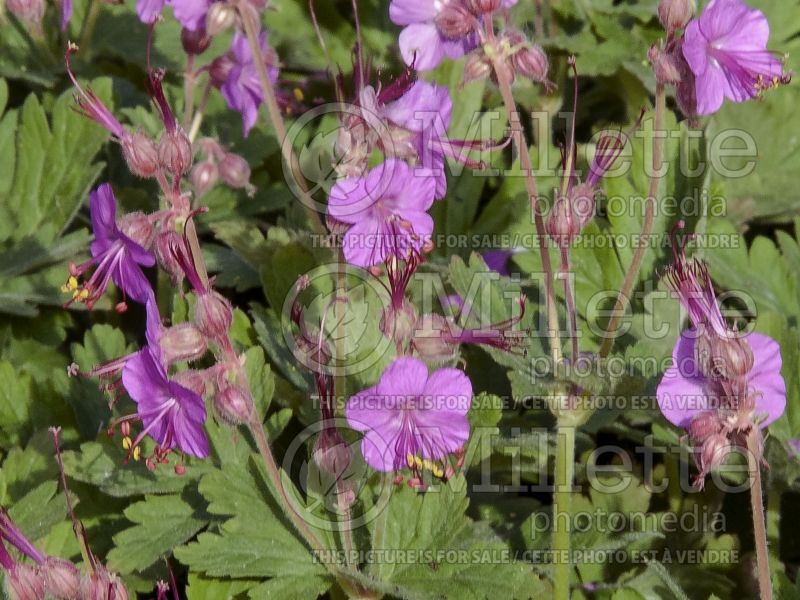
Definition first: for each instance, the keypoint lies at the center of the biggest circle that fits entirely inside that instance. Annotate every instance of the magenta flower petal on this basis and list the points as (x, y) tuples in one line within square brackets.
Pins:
[(66, 13), (191, 13), (765, 377), (149, 10), (681, 393), (421, 45), (406, 12), (420, 106)]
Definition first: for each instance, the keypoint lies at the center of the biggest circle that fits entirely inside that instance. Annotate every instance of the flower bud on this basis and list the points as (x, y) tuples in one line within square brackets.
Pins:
[(331, 452), (713, 452), (311, 354), (24, 582), (192, 380), (195, 42), (165, 243), (477, 67), (431, 340), (234, 170), (175, 152), (482, 7), (583, 203), (664, 67), (61, 578), (141, 154), (531, 62), (702, 357), (138, 227), (563, 225), (220, 16), (30, 11), (399, 323), (182, 342), (454, 20), (731, 358), (204, 175), (704, 425), (213, 315), (233, 405), (675, 14), (102, 585), (220, 68)]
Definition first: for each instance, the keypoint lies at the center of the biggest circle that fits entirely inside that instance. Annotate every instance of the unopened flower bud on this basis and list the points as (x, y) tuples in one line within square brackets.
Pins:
[(102, 585), (713, 452), (454, 20), (675, 14), (583, 203), (431, 340), (399, 324), (331, 452), (220, 68), (164, 246), (140, 154), (731, 358), (702, 356), (704, 425), (175, 152), (311, 354), (531, 62), (138, 227), (220, 16), (563, 225), (234, 170), (30, 11), (477, 66), (664, 67), (62, 578), (192, 380), (195, 42), (204, 175), (182, 342), (24, 582), (233, 405), (482, 7), (213, 315)]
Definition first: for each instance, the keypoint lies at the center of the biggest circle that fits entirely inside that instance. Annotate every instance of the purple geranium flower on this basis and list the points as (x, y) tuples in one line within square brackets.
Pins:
[(685, 392), (171, 414), (410, 413), (66, 13), (726, 49), (191, 13), (118, 253), (386, 211), (150, 10), (241, 87)]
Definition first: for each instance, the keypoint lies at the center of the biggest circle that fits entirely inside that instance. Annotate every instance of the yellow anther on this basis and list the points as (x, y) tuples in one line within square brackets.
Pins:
[(437, 471), (127, 443), (72, 282), (298, 94), (83, 294), (418, 462), (410, 459), (137, 453)]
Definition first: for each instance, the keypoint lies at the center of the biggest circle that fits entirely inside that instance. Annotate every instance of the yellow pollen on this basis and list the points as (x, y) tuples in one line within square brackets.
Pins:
[(137, 453), (83, 294), (410, 459), (127, 443), (298, 94)]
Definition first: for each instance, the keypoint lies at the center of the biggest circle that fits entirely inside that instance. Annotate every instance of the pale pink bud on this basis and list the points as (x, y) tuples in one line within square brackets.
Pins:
[(195, 42), (713, 452), (583, 203), (431, 340), (204, 175), (24, 582), (731, 358), (233, 405), (234, 170), (531, 62), (140, 154), (664, 67), (481, 7), (675, 14), (704, 425), (220, 16), (213, 315), (138, 227), (477, 66), (62, 578), (182, 342), (219, 69), (165, 244), (30, 11), (399, 323), (454, 20), (331, 452), (563, 225), (102, 585), (192, 380), (175, 152)]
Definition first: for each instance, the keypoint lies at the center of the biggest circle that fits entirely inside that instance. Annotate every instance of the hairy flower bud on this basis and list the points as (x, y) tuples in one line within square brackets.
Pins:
[(138, 227), (531, 62), (203, 176), (141, 154), (219, 69), (24, 582), (431, 340), (704, 425), (477, 66), (192, 380), (234, 170), (165, 243), (331, 453), (675, 14), (102, 585), (30, 11), (664, 66), (62, 578), (583, 203), (175, 152), (398, 324), (563, 225), (233, 405), (731, 358), (454, 20), (482, 7), (195, 42), (182, 342), (213, 315), (220, 16), (713, 452)]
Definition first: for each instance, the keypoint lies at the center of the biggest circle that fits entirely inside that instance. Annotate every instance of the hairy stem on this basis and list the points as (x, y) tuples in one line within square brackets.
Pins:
[(569, 295), (632, 276), (189, 81), (562, 509), (276, 118), (759, 527), (521, 146)]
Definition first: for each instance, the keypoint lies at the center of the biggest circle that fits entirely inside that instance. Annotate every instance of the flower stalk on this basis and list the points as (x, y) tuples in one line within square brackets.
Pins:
[(759, 527), (562, 509)]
